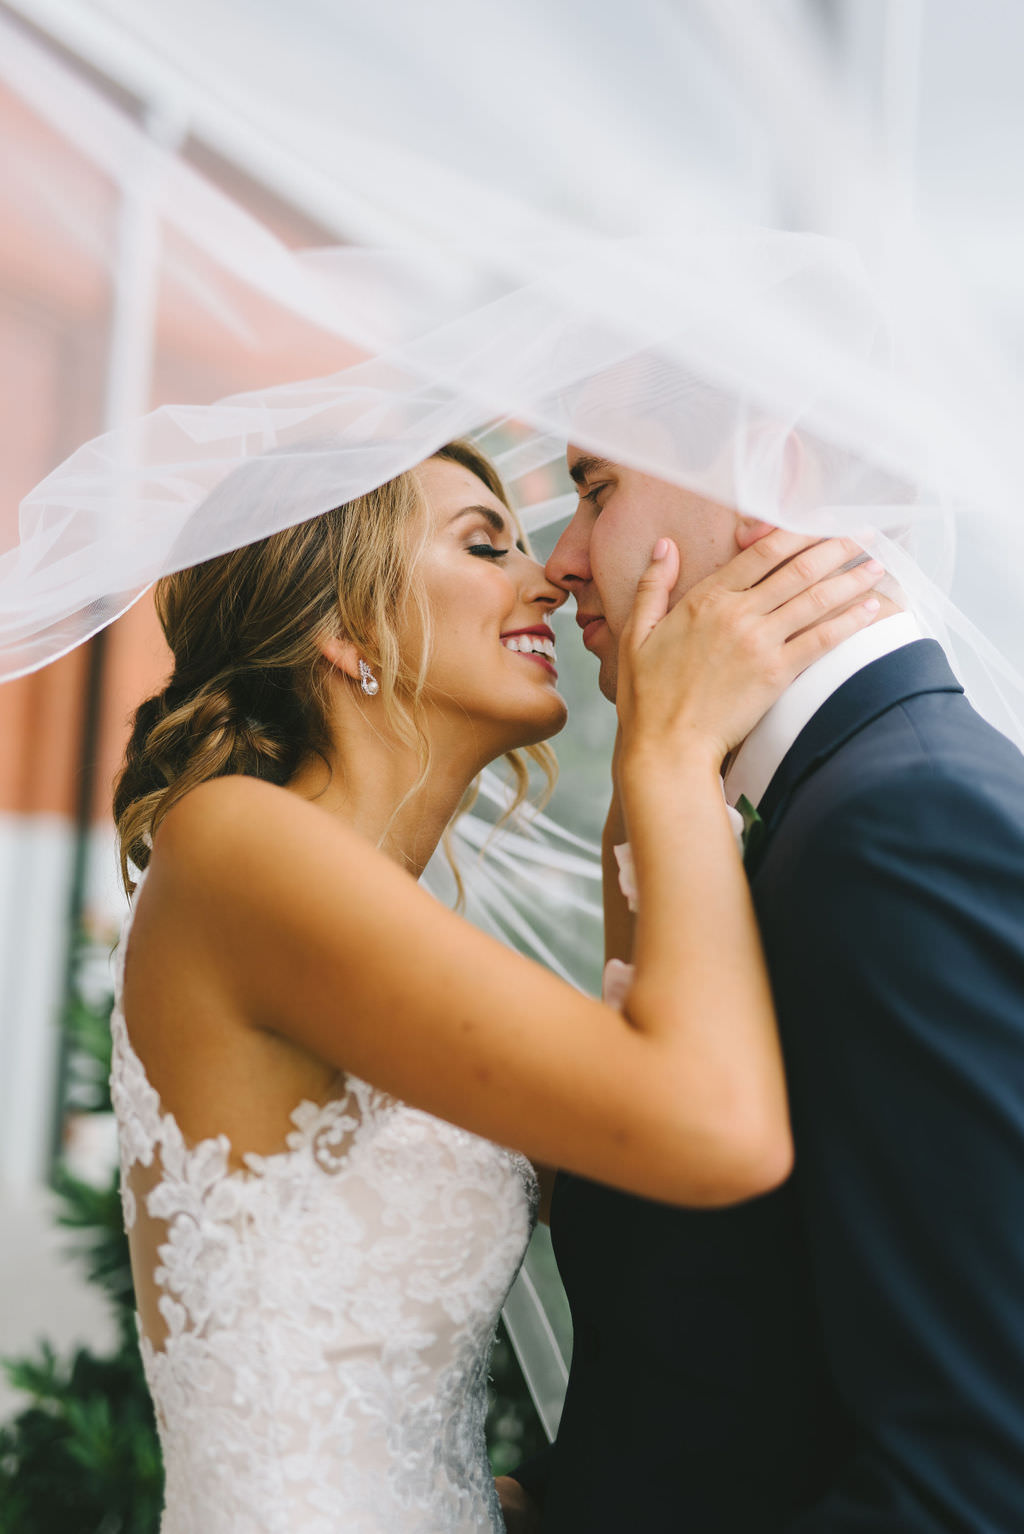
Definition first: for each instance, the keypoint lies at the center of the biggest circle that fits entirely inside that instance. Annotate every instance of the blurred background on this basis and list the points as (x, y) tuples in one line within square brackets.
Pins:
[(105, 314)]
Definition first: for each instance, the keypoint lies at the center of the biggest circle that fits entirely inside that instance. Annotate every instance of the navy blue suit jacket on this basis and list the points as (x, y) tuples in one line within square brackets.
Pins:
[(846, 1355)]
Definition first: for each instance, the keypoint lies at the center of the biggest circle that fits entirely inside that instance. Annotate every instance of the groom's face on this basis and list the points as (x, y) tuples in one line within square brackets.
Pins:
[(607, 546)]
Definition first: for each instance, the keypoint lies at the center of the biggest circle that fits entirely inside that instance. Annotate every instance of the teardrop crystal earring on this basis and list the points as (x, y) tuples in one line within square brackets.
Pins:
[(367, 681)]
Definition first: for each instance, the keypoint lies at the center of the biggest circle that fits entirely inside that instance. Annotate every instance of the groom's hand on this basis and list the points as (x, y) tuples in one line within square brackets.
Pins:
[(521, 1513)]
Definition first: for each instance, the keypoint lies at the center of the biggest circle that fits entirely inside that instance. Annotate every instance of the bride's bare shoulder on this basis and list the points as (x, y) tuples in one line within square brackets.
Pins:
[(235, 831), (227, 803), (238, 807)]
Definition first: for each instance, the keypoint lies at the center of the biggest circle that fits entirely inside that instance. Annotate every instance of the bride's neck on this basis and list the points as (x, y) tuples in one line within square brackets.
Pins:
[(373, 785)]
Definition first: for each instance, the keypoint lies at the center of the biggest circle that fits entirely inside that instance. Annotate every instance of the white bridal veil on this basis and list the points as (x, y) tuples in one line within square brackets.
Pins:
[(769, 249)]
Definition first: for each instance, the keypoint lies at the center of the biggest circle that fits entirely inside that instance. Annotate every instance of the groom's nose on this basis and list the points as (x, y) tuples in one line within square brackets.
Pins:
[(569, 564)]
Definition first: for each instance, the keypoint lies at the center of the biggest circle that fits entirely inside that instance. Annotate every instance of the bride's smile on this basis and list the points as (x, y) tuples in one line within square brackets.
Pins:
[(488, 606), (538, 643)]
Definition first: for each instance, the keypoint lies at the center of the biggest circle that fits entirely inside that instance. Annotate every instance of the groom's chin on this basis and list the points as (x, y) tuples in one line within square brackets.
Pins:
[(608, 678)]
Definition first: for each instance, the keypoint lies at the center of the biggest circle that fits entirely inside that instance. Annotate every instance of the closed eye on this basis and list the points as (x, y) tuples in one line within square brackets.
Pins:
[(486, 551), (592, 495)]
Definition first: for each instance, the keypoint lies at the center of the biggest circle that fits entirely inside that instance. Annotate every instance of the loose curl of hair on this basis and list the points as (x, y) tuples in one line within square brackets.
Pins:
[(249, 691)]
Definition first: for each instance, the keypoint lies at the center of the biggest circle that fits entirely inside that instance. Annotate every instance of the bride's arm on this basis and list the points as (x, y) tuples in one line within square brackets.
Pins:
[(618, 918), (322, 939)]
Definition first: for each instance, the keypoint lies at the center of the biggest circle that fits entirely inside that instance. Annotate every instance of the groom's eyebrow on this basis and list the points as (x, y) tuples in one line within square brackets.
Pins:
[(586, 466)]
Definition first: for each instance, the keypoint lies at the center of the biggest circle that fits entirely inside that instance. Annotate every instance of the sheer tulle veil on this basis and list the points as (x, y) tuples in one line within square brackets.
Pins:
[(772, 252)]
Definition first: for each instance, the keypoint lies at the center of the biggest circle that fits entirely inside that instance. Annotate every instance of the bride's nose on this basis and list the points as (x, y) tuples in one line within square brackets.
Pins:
[(535, 588)]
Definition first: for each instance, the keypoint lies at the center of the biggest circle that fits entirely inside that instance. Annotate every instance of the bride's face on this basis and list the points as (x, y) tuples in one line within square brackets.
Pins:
[(492, 667)]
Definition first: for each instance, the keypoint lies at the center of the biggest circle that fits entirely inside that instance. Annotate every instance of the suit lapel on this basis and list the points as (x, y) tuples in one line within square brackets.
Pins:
[(905, 673)]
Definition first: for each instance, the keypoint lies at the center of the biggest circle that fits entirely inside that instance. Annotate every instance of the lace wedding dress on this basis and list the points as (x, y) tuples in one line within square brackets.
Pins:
[(326, 1312)]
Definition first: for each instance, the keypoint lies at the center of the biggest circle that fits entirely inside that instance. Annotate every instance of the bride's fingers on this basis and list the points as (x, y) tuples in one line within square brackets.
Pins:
[(813, 643), (651, 601), (826, 597), (760, 558), (782, 563), (814, 563)]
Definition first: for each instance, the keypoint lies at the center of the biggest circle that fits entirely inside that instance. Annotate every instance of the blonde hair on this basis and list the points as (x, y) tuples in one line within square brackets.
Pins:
[(248, 694)]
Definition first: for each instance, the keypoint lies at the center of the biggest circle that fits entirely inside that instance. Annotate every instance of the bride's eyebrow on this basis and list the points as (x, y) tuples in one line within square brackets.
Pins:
[(494, 518), (496, 521)]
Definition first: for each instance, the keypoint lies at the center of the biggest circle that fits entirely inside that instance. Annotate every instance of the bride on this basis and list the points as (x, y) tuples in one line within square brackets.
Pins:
[(317, 1066)]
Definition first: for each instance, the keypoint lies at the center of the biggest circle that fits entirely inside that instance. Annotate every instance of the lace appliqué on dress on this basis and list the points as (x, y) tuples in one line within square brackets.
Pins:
[(328, 1311)]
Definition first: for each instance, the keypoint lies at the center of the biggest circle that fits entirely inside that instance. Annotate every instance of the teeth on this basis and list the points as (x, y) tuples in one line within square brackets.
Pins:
[(530, 644)]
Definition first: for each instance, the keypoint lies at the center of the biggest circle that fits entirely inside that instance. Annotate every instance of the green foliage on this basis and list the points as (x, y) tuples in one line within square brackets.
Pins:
[(83, 1457), (102, 1246), (87, 1029)]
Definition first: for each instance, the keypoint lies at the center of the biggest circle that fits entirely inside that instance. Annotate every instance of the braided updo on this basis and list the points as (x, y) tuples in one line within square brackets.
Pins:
[(248, 694)]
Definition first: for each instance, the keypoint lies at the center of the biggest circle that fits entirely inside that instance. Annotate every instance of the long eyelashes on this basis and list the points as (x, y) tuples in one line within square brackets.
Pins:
[(592, 496), (486, 551)]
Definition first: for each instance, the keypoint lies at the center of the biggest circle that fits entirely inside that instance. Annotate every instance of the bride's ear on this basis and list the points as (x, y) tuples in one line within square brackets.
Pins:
[(342, 654)]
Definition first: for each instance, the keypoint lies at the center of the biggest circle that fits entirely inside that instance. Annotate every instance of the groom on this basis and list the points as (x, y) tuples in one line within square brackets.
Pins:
[(844, 1355)]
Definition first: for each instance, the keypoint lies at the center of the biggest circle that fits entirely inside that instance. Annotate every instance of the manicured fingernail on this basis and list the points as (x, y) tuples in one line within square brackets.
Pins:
[(873, 566), (872, 604), (660, 550)]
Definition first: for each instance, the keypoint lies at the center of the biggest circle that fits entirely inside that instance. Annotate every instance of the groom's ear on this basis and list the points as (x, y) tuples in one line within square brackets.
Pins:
[(749, 530)]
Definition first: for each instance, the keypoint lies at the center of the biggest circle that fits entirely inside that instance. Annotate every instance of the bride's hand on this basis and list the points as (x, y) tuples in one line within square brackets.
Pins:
[(705, 673)]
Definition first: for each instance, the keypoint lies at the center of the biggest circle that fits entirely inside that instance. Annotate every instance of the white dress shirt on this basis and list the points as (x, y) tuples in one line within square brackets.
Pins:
[(756, 761)]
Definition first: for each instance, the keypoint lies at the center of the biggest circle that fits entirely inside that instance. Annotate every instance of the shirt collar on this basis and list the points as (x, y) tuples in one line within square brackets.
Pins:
[(758, 758)]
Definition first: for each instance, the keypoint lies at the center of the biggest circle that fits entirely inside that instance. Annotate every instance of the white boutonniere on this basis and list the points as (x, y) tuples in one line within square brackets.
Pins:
[(627, 874), (616, 981)]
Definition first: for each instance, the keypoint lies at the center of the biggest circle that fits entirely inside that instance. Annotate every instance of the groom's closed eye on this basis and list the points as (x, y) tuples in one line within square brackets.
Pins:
[(592, 493)]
